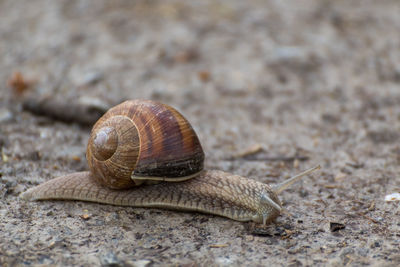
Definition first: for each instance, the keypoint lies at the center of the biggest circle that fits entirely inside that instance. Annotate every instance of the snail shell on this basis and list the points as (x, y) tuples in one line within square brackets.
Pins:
[(146, 142), (142, 140)]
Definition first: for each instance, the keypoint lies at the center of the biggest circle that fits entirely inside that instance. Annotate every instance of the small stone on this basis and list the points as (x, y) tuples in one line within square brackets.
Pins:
[(4, 157), (392, 197), (50, 213), (296, 163), (249, 238), (138, 263), (76, 158), (289, 53), (110, 260), (363, 252), (376, 245), (6, 115), (336, 226), (340, 176), (85, 215)]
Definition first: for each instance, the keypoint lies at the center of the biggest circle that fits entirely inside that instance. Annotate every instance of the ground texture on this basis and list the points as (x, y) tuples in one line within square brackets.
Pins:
[(307, 82)]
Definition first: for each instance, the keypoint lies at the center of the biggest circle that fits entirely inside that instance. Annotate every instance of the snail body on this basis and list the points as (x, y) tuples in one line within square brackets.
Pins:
[(143, 153)]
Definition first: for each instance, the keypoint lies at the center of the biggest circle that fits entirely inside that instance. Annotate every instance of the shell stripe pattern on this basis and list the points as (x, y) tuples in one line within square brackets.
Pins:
[(169, 145)]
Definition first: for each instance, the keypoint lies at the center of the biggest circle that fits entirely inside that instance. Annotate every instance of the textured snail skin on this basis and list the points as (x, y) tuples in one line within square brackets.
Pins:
[(213, 192)]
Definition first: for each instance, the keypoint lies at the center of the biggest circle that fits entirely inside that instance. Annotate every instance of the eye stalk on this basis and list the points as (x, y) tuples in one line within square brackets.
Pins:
[(269, 205), (278, 188), (266, 201)]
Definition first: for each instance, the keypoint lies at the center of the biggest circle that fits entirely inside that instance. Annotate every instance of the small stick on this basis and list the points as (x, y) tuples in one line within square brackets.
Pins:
[(65, 111), (255, 149)]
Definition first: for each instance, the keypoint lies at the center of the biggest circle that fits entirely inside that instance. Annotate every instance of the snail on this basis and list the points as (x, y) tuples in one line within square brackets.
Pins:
[(144, 153)]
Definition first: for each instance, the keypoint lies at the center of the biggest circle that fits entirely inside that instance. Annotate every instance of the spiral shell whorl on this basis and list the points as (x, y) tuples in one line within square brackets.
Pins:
[(113, 151), (143, 139), (105, 141)]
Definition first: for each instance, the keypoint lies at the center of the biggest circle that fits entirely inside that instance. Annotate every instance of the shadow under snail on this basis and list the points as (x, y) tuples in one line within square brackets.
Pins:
[(147, 143)]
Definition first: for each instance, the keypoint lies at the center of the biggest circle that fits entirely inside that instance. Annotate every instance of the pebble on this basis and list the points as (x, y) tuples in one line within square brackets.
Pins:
[(139, 263), (289, 53), (109, 259), (4, 157), (334, 226), (392, 197), (5, 115)]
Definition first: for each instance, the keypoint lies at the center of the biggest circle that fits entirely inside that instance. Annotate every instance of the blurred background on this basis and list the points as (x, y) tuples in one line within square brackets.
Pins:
[(271, 87)]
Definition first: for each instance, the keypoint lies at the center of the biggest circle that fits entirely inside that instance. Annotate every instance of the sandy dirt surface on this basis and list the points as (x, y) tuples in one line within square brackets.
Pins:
[(314, 80)]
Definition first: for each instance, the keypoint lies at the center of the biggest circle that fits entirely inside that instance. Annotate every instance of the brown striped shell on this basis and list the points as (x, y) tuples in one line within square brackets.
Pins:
[(143, 140)]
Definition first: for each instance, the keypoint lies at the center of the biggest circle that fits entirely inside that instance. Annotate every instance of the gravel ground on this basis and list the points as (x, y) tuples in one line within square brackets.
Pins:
[(318, 81)]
